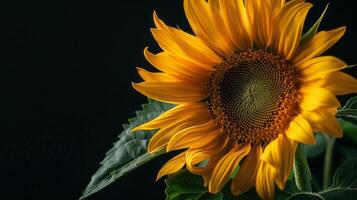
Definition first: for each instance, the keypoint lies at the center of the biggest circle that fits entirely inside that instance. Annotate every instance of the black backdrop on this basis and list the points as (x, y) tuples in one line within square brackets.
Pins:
[(66, 71)]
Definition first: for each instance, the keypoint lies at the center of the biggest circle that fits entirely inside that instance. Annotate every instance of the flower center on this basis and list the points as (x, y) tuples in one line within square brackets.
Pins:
[(252, 95)]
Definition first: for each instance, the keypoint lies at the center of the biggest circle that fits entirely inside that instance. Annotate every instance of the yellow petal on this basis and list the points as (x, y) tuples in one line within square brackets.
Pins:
[(339, 83), (234, 18), (211, 155), (155, 76), (172, 166), (315, 98), (180, 43), (265, 181), (177, 47), (160, 139), (172, 92), (290, 25), (177, 67), (199, 16), (260, 17), (280, 154), (318, 44), (193, 136), (181, 111), (226, 166), (277, 5), (324, 121), (300, 130), (247, 173), (211, 152), (320, 66)]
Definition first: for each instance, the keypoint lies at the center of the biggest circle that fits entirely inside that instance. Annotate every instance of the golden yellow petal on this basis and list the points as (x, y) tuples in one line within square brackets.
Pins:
[(317, 45), (172, 92), (320, 66), (300, 130), (211, 153), (290, 23), (155, 76), (160, 139), (177, 67), (315, 98), (280, 154), (181, 111), (277, 5), (226, 166), (190, 47), (234, 18), (219, 23), (198, 13), (172, 166), (324, 120), (193, 136), (265, 181), (247, 173), (260, 17), (339, 83), (174, 45)]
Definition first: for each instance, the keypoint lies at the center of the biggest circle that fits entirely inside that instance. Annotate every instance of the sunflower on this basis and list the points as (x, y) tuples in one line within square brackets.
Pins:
[(248, 88)]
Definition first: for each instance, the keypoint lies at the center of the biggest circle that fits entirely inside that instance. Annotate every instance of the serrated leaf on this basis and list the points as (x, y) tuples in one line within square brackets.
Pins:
[(129, 152)]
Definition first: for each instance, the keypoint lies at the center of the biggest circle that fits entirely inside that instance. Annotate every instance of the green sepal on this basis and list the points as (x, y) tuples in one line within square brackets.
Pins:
[(313, 30)]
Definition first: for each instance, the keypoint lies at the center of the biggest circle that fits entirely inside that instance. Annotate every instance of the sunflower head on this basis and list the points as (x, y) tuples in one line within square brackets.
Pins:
[(248, 87)]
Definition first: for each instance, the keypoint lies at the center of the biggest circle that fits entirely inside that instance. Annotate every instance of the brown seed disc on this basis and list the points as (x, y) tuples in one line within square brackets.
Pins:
[(252, 95)]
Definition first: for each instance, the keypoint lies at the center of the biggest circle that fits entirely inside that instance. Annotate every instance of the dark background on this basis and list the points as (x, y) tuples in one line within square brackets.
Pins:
[(66, 71)]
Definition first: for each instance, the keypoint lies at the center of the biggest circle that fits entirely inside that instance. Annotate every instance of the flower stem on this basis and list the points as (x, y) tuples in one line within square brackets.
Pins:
[(302, 171), (330, 142)]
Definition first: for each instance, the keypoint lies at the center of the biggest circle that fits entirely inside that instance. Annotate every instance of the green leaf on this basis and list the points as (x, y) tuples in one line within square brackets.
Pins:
[(338, 194), (129, 152), (185, 185), (313, 30), (249, 195), (302, 171), (346, 175), (313, 150), (349, 111), (218, 196), (349, 130), (351, 103), (306, 196), (348, 152), (344, 184), (348, 115)]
